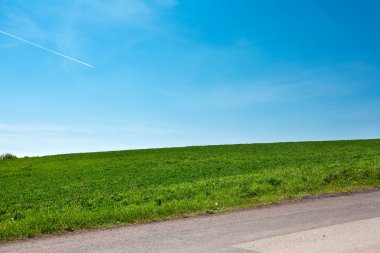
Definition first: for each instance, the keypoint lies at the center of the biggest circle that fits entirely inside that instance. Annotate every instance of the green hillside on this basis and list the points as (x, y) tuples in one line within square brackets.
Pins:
[(51, 194)]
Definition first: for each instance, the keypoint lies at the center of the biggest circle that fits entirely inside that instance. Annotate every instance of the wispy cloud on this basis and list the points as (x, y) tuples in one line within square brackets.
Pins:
[(21, 138), (98, 11), (64, 25), (168, 3), (328, 82), (72, 129)]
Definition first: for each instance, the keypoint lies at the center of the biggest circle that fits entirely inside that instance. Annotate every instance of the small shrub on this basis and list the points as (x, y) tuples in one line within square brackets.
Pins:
[(158, 201), (17, 216), (7, 156), (274, 181)]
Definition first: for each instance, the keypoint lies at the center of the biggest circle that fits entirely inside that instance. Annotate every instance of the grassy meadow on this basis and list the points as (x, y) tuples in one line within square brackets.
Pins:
[(54, 194)]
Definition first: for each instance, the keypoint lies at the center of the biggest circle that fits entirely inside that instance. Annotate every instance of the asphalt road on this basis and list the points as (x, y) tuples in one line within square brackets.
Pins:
[(349, 224)]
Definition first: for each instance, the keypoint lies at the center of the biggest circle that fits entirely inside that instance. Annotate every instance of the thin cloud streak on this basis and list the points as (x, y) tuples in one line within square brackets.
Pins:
[(47, 49)]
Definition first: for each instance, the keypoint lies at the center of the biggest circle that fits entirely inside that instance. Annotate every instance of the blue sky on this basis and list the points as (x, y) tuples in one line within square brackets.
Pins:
[(178, 73)]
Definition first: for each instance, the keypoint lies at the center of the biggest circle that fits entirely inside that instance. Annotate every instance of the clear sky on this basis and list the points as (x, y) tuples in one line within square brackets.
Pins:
[(178, 73)]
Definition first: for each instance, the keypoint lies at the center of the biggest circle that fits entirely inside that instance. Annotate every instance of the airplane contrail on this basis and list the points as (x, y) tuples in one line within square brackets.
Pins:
[(47, 49)]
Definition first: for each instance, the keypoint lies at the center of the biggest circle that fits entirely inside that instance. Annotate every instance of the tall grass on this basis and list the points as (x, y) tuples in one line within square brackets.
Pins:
[(43, 195)]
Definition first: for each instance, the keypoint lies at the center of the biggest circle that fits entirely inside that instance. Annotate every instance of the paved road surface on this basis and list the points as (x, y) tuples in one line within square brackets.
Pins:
[(348, 224)]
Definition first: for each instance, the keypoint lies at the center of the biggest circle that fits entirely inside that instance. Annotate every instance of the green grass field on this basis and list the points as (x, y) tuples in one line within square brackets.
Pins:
[(53, 194)]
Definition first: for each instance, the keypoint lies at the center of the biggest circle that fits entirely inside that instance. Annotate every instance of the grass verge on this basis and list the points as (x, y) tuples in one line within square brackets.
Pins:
[(54, 194)]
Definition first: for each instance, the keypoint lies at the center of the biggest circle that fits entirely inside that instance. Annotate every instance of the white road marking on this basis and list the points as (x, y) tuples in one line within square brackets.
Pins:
[(354, 237)]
